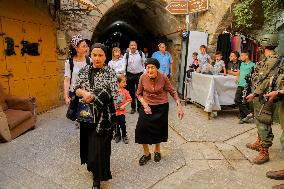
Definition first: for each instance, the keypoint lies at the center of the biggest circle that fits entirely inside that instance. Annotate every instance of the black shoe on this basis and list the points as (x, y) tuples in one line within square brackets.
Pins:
[(157, 156), (96, 184), (117, 139), (144, 159), (132, 111)]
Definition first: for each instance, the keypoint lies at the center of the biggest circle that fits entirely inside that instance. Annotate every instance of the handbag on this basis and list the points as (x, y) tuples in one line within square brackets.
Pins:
[(85, 112), (72, 108)]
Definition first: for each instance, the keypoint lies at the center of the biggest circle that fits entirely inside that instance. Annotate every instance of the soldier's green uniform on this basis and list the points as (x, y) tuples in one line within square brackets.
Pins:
[(261, 80), (264, 72), (281, 114)]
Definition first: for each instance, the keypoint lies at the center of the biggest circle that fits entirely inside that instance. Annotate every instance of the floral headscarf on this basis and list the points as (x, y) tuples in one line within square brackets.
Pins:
[(75, 40)]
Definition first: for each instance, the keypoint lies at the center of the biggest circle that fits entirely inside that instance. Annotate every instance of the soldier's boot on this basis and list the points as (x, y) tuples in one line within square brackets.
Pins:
[(262, 157), (281, 186), (277, 175), (254, 146)]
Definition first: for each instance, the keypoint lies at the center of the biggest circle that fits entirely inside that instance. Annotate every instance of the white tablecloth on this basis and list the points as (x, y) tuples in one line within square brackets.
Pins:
[(212, 91)]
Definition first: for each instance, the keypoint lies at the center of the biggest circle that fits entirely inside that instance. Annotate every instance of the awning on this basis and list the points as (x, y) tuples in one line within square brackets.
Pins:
[(88, 3)]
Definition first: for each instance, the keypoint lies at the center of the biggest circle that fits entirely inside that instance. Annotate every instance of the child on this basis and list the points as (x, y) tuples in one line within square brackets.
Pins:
[(195, 63), (117, 63), (247, 66), (204, 59), (219, 64), (122, 101)]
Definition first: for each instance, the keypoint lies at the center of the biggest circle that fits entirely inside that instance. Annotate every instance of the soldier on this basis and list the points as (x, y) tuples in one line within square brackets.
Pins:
[(278, 175), (264, 72)]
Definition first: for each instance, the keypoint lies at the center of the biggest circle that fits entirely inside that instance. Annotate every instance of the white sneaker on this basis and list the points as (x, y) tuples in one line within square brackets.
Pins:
[(247, 118)]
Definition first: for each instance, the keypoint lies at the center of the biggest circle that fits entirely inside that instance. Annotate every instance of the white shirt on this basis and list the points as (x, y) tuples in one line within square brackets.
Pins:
[(135, 62), (118, 65), (217, 68), (77, 67), (203, 60)]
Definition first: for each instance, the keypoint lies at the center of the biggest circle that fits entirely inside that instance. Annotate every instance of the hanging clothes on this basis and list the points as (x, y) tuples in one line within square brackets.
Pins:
[(252, 47), (236, 43), (224, 45)]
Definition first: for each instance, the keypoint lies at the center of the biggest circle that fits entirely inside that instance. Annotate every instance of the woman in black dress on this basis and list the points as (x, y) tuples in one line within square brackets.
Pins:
[(97, 84)]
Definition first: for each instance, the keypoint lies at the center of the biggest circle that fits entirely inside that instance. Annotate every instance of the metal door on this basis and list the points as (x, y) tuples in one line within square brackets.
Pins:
[(4, 74), (15, 64)]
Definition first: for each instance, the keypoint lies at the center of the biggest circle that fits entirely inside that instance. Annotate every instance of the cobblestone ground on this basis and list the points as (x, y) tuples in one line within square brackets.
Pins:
[(200, 153)]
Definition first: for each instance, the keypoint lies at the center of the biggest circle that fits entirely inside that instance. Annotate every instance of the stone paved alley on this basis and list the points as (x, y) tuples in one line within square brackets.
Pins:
[(200, 153)]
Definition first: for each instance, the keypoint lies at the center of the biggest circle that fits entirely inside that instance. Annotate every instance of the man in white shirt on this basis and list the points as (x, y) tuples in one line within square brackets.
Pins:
[(134, 61)]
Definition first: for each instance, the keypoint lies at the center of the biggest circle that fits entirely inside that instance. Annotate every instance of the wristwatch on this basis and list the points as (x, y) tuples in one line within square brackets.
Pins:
[(279, 94)]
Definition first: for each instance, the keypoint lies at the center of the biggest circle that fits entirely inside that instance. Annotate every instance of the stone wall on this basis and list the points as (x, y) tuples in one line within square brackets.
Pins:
[(213, 21), (85, 23)]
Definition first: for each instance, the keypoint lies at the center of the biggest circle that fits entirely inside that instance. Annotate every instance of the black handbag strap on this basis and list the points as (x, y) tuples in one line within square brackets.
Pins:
[(91, 77)]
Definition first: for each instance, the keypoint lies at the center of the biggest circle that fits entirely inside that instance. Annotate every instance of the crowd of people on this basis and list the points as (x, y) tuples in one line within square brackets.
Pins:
[(143, 83), (104, 91)]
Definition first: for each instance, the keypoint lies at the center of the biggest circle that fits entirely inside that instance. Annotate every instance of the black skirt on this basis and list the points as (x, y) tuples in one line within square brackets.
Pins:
[(95, 151), (152, 128)]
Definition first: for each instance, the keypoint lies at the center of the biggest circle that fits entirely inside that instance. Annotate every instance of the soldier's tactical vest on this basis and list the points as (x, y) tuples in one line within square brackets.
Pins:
[(261, 80), (280, 80), (264, 73)]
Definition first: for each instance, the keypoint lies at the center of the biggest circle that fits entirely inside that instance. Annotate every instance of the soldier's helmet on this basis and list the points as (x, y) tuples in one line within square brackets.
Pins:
[(268, 40)]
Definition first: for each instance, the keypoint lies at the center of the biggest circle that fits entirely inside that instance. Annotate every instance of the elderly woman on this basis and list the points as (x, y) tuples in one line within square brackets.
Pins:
[(152, 125), (97, 84)]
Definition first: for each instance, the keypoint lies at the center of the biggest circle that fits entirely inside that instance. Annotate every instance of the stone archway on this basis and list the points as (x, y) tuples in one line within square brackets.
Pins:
[(142, 15), (147, 22)]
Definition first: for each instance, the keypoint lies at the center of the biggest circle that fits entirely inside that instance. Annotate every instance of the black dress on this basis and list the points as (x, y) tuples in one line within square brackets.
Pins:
[(152, 128), (95, 147), (95, 151)]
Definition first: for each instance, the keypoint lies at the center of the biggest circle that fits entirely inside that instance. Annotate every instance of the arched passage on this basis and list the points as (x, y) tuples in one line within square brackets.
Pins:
[(145, 21)]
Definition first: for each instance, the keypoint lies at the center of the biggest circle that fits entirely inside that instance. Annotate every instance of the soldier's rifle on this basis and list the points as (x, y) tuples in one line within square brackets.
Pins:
[(272, 85), (247, 88)]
